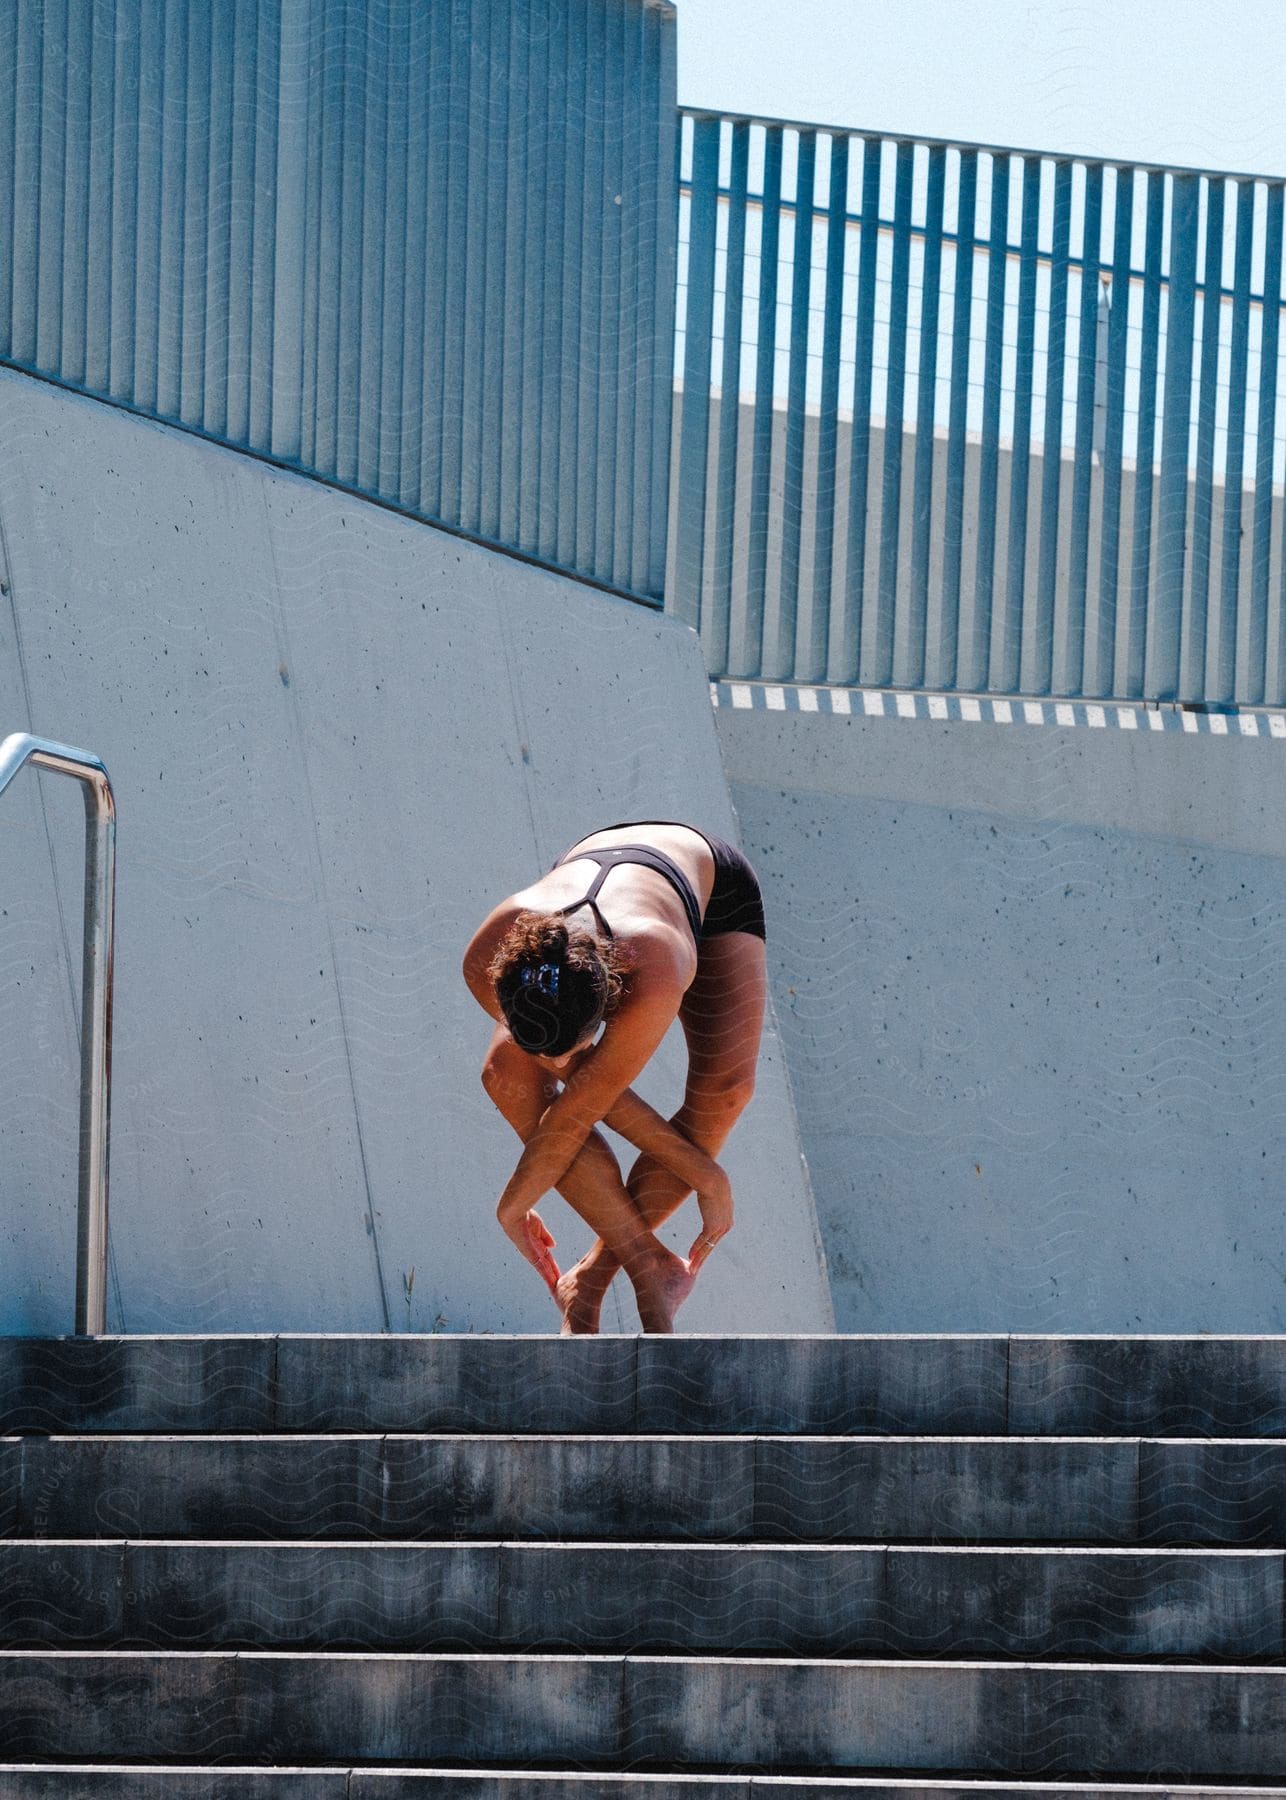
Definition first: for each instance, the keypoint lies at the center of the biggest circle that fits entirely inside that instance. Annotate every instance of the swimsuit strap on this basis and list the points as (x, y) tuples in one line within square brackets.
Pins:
[(648, 858), (589, 899)]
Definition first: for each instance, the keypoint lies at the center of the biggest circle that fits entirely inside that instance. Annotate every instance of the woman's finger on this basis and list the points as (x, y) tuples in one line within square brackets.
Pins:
[(540, 1253), (701, 1248)]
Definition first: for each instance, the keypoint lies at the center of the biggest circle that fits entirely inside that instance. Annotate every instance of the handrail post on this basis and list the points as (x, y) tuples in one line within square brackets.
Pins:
[(95, 1006)]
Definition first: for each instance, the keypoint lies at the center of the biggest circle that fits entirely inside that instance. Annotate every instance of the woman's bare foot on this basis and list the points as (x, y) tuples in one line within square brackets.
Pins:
[(580, 1298), (660, 1288)]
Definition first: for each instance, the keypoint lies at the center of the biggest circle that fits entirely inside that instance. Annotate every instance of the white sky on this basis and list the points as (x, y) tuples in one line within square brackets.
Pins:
[(1198, 82)]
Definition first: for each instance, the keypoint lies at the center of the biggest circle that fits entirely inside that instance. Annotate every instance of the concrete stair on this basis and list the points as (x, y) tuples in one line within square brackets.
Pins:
[(537, 1569)]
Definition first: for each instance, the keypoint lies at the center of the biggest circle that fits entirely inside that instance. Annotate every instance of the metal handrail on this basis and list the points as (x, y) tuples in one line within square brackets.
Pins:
[(95, 1006)]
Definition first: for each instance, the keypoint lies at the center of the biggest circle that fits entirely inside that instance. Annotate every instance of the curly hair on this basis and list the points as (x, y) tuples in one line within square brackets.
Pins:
[(547, 1016)]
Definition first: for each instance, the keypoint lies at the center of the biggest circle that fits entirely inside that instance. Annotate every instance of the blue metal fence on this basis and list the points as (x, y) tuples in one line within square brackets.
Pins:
[(425, 251), (959, 416)]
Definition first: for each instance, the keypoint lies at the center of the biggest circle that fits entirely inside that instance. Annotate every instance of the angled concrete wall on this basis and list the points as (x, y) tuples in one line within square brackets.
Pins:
[(1032, 987), (337, 737)]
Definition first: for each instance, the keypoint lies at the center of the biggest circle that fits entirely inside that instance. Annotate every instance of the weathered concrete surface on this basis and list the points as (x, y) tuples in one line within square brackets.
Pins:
[(219, 1782), (803, 1490), (824, 1386), (337, 738), (1218, 1386), (137, 1383), (721, 1599), (1032, 987), (983, 1717), (17, 1782)]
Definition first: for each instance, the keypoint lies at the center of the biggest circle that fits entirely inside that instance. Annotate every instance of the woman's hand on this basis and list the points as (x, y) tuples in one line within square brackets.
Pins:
[(715, 1201), (534, 1240)]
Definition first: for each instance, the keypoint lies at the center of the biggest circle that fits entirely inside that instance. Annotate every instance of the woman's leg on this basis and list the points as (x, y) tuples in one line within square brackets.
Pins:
[(521, 1090), (722, 1014)]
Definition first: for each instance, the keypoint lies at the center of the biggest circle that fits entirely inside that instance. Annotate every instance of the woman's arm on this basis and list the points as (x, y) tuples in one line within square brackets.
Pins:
[(597, 1082), (643, 1126), (631, 1117)]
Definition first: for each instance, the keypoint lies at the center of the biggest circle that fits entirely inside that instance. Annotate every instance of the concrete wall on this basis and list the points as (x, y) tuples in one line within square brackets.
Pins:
[(1032, 988), (337, 738)]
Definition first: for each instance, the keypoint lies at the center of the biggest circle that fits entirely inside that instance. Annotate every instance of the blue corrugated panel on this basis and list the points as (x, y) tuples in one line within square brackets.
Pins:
[(1065, 537), (424, 251)]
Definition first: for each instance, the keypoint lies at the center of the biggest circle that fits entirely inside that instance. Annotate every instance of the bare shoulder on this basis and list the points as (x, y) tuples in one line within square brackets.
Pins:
[(662, 964), (483, 945)]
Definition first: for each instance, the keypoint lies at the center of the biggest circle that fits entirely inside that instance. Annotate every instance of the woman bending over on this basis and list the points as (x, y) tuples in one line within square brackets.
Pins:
[(680, 933)]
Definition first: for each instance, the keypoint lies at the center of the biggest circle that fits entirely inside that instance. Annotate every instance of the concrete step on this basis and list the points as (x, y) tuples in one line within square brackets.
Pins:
[(1229, 1492), (866, 1600), (632, 1713), (141, 1781), (1091, 1386)]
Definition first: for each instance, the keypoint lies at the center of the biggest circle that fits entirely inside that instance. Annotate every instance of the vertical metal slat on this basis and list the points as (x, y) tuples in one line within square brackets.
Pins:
[(694, 429), (725, 518), (1101, 678), (126, 145), (549, 353), (860, 438), (195, 260), (749, 658), (603, 448), (1161, 678), (661, 25), (780, 660), (812, 659), (978, 662), (1192, 664), (1225, 676), (165, 309), (261, 282), (1141, 546), (1038, 674), (49, 195), (627, 87), (417, 88), (531, 196), (100, 151), (1073, 649), (82, 225), (1251, 687), (947, 655), (389, 445), (1006, 672), (493, 155), (571, 348), (926, 407), (592, 348), (880, 670)]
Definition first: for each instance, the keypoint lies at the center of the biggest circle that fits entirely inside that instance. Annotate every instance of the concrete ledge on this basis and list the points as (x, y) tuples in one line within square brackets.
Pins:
[(136, 1383), (86, 1781), (770, 1489), (838, 1385), (1165, 1723), (1157, 1386), (418, 1383), (863, 1600), (827, 1490), (82, 1781), (1146, 1386)]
